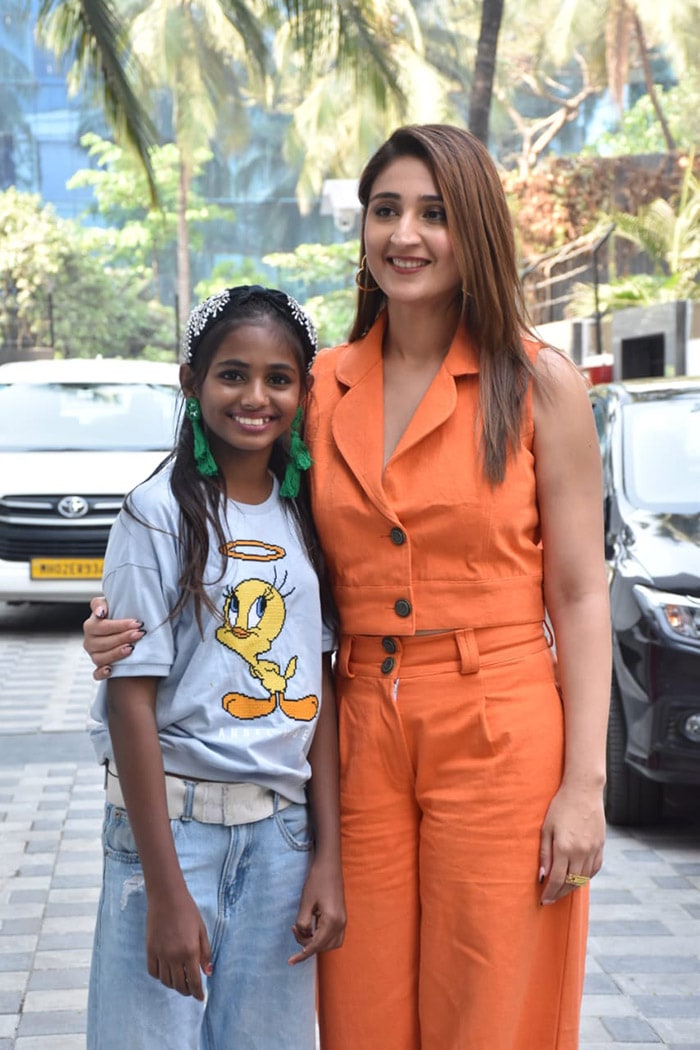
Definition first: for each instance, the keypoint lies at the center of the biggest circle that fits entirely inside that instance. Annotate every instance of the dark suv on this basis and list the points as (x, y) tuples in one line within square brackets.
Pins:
[(649, 433)]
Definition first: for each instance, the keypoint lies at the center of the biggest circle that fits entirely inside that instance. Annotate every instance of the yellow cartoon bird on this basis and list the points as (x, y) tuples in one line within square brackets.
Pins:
[(254, 613)]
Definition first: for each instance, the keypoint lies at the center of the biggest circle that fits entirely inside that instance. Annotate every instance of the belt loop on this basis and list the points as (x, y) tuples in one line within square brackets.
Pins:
[(468, 651), (188, 801), (344, 656)]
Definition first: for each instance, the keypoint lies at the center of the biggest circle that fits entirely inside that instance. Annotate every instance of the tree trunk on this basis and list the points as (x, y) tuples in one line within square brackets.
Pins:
[(183, 247), (484, 69), (649, 80)]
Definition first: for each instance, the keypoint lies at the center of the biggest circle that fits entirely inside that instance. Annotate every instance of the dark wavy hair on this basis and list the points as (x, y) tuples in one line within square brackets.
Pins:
[(202, 499)]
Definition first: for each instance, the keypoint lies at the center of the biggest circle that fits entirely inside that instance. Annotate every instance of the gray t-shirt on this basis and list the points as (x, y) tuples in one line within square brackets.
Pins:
[(240, 702)]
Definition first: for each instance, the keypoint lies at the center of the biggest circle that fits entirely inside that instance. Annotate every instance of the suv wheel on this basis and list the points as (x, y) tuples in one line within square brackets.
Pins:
[(631, 800)]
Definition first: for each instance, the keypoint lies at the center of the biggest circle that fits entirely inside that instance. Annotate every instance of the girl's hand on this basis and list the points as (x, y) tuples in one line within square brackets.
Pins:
[(177, 945), (320, 924), (108, 640), (572, 840)]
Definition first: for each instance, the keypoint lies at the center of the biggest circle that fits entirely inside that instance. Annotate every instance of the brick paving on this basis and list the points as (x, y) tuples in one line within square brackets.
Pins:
[(643, 968)]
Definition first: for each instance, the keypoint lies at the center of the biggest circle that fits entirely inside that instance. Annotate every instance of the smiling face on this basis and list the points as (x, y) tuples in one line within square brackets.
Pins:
[(408, 246), (251, 391)]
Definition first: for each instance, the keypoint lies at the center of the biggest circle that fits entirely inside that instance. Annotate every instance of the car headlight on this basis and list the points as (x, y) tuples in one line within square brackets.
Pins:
[(690, 728), (678, 614)]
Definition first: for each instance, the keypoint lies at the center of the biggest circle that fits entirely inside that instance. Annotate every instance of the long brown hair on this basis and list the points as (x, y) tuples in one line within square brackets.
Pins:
[(481, 232)]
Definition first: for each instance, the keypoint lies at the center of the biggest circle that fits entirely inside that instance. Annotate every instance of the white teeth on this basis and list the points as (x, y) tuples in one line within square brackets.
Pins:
[(407, 264), (246, 422)]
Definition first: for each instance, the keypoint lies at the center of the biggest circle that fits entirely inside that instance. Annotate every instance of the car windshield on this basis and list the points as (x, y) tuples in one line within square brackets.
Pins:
[(661, 450), (87, 416)]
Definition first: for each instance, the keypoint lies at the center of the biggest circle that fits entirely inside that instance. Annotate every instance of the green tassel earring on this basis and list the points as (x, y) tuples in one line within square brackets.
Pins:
[(204, 461), (299, 459)]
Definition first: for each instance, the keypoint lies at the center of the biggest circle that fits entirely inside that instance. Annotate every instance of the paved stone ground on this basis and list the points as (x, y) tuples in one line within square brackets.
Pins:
[(643, 971)]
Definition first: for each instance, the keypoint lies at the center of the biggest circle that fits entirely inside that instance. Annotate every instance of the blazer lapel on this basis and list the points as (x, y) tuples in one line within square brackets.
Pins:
[(357, 424), (440, 399), (358, 419)]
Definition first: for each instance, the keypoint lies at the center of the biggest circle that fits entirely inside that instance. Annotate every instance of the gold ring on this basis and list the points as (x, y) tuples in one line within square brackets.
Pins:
[(576, 880)]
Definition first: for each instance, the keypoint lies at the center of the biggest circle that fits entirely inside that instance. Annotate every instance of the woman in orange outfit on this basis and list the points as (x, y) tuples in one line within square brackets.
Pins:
[(457, 491)]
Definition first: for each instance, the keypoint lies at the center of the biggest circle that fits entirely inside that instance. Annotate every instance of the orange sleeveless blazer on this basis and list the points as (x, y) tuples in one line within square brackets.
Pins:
[(427, 544)]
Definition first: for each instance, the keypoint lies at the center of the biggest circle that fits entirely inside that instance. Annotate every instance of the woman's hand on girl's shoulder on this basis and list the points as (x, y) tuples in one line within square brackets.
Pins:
[(106, 641)]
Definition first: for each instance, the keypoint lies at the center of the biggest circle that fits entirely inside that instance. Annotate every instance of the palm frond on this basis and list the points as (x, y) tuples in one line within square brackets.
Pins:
[(248, 26), (91, 33), (651, 229), (670, 236), (357, 35), (637, 290)]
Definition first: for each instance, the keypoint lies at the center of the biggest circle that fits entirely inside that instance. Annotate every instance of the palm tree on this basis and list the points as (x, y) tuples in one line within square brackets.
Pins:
[(345, 109), (485, 69), (630, 25), (670, 237), (204, 64), (202, 51), (93, 33)]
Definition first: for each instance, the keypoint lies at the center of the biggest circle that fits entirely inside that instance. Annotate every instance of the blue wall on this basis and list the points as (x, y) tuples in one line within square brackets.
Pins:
[(40, 124)]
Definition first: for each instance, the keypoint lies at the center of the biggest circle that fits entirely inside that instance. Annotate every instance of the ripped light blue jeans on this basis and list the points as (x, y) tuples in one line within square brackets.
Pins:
[(247, 882)]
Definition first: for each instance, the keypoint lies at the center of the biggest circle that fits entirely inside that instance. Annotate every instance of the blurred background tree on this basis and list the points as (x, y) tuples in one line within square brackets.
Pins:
[(60, 292), (238, 113), (670, 237)]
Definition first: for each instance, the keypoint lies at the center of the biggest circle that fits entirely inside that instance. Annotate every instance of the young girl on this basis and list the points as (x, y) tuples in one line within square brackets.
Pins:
[(223, 724)]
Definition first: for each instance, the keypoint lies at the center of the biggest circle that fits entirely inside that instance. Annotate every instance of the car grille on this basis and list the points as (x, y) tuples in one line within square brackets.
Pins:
[(31, 527)]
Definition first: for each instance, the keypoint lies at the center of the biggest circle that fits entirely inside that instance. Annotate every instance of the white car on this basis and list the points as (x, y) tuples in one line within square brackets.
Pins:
[(75, 436)]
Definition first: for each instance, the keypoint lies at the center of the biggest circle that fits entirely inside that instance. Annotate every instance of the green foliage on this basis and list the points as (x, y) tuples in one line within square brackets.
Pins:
[(670, 237), (332, 314), (139, 234), (636, 290), (311, 267), (639, 130), (213, 71), (341, 111), (92, 33), (227, 274), (309, 264), (58, 287)]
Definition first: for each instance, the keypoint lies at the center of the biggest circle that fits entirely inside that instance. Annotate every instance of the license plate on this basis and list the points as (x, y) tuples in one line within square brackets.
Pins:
[(66, 568)]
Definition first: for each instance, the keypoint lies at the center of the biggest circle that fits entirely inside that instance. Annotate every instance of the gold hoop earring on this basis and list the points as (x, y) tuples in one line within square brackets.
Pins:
[(359, 275)]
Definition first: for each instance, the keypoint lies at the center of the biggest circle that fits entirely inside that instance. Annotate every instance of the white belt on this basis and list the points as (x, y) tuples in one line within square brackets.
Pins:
[(208, 801)]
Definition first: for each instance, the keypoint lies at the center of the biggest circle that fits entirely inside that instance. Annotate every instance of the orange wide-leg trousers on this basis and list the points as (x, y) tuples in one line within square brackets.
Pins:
[(450, 756)]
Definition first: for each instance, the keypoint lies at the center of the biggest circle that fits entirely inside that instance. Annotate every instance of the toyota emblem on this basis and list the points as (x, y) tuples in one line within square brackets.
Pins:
[(73, 507)]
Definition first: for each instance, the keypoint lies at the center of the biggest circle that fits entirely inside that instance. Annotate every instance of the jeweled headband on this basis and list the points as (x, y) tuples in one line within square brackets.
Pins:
[(227, 304)]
